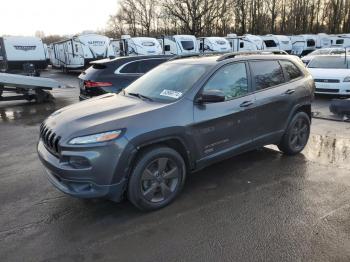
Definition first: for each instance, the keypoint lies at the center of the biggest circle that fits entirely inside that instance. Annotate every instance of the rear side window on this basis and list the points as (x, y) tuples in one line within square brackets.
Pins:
[(231, 80), (266, 74), (141, 67), (291, 70), (150, 64)]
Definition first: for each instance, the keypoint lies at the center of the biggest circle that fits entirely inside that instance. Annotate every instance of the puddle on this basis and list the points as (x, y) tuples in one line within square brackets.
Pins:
[(328, 150)]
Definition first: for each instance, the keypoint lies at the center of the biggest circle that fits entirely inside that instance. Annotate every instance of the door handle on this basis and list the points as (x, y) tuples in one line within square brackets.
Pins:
[(290, 91), (246, 103)]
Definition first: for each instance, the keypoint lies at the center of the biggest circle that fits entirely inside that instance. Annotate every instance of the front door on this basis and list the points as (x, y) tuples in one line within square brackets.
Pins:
[(224, 127)]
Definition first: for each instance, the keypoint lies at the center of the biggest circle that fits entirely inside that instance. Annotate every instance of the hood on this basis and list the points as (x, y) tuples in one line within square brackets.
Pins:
[(103, 113), (326, 73)]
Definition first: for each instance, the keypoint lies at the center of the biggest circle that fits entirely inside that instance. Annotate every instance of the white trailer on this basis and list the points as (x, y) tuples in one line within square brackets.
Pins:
[(17, 52), (303, 44), (323, 41), (213, 44), (133, 46), (277, 42), (78, 51), (246, 42), (340, 40), (179, 44)]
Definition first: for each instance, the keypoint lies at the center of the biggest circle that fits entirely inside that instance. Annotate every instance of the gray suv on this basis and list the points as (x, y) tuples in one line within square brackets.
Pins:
[(180, 117)]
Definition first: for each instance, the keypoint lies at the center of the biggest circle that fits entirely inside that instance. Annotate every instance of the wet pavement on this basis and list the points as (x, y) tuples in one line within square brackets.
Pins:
[(260, 206)]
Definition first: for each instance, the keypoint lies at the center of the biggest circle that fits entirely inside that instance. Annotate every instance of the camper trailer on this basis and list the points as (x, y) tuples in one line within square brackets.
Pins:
[(132, 46), (303, 44), (277, 42), (213, 44), (179, 44), (78, 51), (323, 41), (244, 43), (340, 40), (17, 52)]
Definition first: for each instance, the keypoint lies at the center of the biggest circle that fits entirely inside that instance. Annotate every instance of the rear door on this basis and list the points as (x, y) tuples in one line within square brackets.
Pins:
[(275, 96), (224, 127)]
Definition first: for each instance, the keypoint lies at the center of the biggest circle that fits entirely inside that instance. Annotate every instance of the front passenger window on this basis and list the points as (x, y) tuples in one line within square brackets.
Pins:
[(231, 80)]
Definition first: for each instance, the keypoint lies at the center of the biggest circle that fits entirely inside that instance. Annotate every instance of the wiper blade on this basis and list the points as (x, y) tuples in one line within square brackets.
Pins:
[(140, 96)]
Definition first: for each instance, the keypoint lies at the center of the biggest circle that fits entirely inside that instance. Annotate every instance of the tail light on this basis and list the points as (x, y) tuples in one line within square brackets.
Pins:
[(89, 84)]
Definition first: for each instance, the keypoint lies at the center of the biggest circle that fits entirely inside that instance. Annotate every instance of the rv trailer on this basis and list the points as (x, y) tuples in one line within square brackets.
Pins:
[(323, 41), (213, 44), (303, 44), (277, 42), (244, 43), (133, 46), (78, 51), (179, 44), (340, 40), (19, 52)]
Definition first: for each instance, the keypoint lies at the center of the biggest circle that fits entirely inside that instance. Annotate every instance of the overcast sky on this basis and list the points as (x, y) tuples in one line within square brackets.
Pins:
[(25, 17)]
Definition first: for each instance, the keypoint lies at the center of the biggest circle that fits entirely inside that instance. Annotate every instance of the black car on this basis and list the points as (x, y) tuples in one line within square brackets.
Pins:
[(180, 117), (111, 76)]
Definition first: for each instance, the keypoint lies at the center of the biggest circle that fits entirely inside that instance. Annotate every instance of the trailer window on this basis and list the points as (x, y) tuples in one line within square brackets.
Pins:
[(310, 42), (270, 43), (187, 45), (241, 45), (339, 41)]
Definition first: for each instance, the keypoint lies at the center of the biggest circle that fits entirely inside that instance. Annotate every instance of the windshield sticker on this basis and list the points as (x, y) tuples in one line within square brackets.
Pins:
[(171, 93)]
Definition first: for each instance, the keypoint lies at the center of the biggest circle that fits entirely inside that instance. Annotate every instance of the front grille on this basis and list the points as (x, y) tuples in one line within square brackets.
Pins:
[(50, 139), (327, 80), (327, 90)]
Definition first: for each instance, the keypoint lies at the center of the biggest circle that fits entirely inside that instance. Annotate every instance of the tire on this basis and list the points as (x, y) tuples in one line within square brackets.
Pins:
[(297, 134), (157, 178)]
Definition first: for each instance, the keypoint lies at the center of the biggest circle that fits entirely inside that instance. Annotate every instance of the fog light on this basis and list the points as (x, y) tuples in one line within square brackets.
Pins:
[(78, 162)]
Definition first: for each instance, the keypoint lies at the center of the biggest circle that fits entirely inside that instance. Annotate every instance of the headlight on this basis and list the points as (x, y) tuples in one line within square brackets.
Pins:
[(346, 79), (96, 138)]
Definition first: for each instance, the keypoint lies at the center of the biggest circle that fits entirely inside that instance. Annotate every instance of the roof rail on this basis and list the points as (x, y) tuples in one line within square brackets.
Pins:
[(259, 52), (195, 55)]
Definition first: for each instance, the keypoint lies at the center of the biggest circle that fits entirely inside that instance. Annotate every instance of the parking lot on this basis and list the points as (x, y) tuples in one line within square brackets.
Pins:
[(260, 206)]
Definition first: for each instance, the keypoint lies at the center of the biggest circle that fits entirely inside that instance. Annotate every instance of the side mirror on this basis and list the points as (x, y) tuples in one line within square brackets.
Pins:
[(211, 96)]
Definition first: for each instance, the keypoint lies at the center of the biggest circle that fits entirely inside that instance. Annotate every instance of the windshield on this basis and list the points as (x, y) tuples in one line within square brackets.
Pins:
[(187, 45), (329, 62), (167, 82)]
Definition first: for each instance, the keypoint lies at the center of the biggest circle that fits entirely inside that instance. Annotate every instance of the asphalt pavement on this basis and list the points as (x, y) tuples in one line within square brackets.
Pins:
[(260, 206)]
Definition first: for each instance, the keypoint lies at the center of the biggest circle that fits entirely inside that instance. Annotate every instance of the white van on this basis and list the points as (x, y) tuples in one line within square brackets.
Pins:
[(18, 51)]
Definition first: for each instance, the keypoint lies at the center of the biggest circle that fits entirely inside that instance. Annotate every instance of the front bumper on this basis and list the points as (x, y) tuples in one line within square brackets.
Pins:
[(332, 88), (102, 175)]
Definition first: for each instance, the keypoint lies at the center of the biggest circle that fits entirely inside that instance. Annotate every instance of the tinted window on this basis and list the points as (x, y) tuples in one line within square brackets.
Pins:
[(142, 66), (291, 70), (150, 64), (231, 80), (187, 45), (131, 68), (266, 74), (167, 82), (270, 43)]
